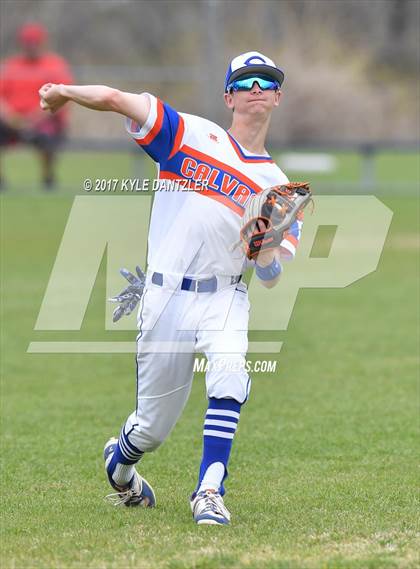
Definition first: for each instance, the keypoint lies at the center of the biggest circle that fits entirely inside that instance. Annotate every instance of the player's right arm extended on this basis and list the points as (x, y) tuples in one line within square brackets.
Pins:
[(96, 97)]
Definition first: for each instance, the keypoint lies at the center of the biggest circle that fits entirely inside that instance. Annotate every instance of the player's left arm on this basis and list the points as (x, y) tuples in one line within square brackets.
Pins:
[(269, 262), (291, 238)]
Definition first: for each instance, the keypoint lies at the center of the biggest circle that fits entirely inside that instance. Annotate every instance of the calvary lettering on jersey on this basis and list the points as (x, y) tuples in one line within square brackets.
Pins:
[(211, 178)]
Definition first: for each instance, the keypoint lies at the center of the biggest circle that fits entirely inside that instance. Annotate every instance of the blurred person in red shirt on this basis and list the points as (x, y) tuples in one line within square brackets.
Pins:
[(21, 119)]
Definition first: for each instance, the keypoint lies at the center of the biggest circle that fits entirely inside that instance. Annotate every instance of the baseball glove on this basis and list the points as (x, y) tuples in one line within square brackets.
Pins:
[(130, 296), (270, 213)]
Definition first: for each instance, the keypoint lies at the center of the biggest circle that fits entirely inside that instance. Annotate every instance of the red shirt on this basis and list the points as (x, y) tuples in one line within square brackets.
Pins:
[(21, 78)]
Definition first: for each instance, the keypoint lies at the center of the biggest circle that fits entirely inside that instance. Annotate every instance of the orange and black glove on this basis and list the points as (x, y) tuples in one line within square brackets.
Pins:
[(270, 213)]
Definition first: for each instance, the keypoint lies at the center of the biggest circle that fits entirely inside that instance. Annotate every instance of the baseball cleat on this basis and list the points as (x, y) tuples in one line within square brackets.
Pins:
[(137, 493), (208, 508)]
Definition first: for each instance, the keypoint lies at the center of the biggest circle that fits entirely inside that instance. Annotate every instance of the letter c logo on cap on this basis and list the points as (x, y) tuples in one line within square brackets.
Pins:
[(253, 58)]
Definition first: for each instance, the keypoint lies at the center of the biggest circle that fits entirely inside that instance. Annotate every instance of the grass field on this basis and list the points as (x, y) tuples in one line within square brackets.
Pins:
[(391, 170), (323, 472)]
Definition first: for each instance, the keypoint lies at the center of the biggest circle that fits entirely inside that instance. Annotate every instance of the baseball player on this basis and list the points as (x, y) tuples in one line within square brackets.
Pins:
[(192, 297)]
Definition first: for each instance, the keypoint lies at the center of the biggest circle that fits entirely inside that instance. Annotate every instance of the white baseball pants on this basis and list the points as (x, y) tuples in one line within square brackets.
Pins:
[(174, 325)]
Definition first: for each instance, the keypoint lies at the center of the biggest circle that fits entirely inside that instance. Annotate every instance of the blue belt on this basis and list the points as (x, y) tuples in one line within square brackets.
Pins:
[(206, 285)]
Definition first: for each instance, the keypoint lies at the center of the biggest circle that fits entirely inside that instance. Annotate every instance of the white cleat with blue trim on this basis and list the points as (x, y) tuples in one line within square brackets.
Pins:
[(137, 493), (208, 508)]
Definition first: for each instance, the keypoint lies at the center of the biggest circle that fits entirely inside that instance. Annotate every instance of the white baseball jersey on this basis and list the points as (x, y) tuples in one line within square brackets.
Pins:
[(192, 230)]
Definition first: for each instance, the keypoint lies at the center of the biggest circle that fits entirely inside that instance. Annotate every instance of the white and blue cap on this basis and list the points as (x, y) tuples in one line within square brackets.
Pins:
[(253, 62)]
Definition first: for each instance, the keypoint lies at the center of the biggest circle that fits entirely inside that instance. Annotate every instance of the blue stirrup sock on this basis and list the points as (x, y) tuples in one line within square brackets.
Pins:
[(120, 470), (220, 424)]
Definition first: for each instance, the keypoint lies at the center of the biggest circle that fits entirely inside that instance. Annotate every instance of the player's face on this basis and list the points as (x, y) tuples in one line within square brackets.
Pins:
[(254, 101)]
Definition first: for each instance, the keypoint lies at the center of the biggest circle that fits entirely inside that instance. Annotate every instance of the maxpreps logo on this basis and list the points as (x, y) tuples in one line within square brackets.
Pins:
[(103, 226)]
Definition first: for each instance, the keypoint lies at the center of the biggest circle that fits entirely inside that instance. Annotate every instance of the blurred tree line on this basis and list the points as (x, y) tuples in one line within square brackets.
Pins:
[(351, 66)]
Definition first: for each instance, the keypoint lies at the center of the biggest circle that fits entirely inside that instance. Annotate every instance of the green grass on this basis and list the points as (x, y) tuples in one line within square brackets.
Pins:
[(22, 169), (323, 471), (393, 171)]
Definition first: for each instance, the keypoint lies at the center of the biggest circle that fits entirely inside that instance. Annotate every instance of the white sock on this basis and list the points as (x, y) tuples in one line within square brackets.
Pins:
[(122, 474), (213, 477)]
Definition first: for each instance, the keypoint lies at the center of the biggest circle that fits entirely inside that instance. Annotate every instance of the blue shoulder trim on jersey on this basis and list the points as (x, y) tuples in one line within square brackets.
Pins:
[(160, 147)]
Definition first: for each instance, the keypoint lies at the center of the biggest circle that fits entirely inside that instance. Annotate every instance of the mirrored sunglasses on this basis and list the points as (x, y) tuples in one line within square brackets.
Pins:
[(246, 83)]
